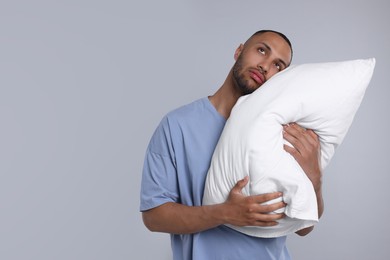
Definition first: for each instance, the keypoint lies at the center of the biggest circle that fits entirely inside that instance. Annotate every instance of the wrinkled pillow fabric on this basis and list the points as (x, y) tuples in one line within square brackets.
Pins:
[(319, 96)]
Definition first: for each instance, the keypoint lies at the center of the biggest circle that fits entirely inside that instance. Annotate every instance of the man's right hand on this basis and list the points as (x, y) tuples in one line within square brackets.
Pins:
[(243, 210), (238, 210)]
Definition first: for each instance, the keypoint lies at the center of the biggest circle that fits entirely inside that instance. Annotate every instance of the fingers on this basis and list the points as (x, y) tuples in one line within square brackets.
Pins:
[(266, 220), (264, 215), (306, 150), (296, 136), (263, 203), (252, 210), (302, 140), (263, 207), (262, 198), (313, 135), (299, 132)]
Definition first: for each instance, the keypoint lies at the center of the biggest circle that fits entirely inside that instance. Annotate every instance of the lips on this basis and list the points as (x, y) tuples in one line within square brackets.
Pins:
[(257, 76)]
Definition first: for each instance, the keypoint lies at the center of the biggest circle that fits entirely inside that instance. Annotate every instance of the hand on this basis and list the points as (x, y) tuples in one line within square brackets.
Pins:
[(247, 210), (306, 151)]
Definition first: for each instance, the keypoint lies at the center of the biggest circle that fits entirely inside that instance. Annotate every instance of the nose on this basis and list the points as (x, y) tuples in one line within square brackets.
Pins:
[(262, 69)]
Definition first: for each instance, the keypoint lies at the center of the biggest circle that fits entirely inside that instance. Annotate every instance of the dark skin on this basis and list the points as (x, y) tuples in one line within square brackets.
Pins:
[(268, 53), (306, 151)]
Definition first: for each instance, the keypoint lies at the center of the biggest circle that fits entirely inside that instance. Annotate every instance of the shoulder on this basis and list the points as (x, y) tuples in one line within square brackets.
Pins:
[(188, 114), (191, 108), (173, 124), (183, 115)]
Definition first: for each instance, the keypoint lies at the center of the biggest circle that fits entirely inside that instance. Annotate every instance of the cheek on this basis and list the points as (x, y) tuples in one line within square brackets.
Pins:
[(272, 72)]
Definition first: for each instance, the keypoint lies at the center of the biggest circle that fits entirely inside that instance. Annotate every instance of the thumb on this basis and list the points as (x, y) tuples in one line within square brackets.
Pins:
[(240, 184)]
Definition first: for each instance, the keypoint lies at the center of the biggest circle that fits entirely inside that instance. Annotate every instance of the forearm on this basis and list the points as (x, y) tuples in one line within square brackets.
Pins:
[(320, 202), (176, 218), (307, 152), (320, 208), (238, 210)]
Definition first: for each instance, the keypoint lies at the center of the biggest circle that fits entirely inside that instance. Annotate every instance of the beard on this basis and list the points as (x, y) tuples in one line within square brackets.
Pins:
[(242, 84)]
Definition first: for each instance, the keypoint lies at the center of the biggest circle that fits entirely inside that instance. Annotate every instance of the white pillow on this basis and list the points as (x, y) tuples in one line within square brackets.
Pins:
[(323, 97)]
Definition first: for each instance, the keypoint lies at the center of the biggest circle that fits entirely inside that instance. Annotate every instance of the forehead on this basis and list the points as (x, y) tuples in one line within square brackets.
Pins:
[(278, 45)]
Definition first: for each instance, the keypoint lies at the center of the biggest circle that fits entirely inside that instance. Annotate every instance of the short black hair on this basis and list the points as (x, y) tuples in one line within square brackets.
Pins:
[(278, 33)]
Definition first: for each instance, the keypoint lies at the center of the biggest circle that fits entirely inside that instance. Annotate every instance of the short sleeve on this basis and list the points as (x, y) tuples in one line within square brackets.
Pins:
[(159, 176)]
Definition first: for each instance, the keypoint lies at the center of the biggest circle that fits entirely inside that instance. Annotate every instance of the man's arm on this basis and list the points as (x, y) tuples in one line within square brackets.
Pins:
[(238, 210), (306, 151)]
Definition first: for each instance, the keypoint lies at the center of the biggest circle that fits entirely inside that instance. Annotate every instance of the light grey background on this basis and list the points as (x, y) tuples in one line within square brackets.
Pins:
[(83, 84)]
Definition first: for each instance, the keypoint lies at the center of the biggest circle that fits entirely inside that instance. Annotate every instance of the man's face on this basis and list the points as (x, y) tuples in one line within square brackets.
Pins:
[(259, 59)]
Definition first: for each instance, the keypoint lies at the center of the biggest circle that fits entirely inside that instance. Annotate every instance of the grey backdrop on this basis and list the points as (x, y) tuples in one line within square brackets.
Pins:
[(83, 84)]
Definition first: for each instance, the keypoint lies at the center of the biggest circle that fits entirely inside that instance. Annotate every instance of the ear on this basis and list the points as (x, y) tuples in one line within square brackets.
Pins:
[(238, 51)]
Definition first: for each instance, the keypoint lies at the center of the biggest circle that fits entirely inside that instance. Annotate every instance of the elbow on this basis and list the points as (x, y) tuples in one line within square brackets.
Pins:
[(305, 231), (148, 221)]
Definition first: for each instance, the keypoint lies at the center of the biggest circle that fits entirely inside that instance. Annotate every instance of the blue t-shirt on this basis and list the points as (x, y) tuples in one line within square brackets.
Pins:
[(175, 168)]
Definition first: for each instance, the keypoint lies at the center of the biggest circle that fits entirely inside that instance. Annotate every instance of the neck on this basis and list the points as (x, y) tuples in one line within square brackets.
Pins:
[(226, 96)]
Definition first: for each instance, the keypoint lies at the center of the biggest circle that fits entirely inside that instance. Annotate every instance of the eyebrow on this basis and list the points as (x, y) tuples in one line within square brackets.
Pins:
[(269, 49)]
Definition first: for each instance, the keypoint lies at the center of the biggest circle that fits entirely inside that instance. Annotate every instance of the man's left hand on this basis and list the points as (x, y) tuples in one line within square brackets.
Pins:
[(306, 151)]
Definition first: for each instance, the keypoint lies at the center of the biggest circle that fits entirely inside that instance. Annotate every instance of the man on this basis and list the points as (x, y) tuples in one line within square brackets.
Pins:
[(179, 155)]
